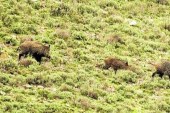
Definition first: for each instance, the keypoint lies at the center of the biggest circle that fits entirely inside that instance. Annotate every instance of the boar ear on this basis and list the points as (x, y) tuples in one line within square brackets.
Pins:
[(47, 45), (127, 63)]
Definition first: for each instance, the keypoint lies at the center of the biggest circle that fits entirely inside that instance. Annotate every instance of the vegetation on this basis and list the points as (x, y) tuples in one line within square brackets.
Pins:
[(78, 32)]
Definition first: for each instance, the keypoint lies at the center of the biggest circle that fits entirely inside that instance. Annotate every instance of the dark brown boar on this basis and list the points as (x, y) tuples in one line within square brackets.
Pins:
[(35, 49), (25, 62), (162, 69), (115, 63)]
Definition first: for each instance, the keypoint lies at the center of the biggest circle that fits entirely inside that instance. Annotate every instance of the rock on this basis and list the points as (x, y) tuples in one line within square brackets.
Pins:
[(132, 23)]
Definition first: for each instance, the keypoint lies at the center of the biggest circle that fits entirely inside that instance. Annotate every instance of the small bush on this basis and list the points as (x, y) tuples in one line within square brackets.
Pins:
[(130, 78), (65, 87), (19, 28), (32, 29), (63, 34), (4, 79), (83, 9), (163, 2), (40, 80), (10, 40), (167, 27), (114, 19), (61, 43), (34, 4), (9, 66), (108, 3), (61, 9), (7, 20), (84, 103), (65, 95), (79, 36), (90, 93)]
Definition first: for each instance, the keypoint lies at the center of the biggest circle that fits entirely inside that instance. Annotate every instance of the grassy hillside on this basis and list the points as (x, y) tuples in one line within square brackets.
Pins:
[(80, 33)]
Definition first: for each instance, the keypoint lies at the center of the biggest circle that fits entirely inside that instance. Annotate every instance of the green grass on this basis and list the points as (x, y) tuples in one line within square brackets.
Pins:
[(78, 32)]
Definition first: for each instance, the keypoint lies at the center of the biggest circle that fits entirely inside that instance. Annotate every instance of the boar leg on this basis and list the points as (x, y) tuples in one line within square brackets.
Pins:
[(159, 73), (22, 54), (115, 71), (106, 67), (153, 75), (38, 58)]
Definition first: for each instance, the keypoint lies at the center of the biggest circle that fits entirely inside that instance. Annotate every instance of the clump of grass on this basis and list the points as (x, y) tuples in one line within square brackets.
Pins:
[(106, 4), (45, 93), (163, 2), (25, 62), (65, 87), (114, 39), (90, 93), (35, 4), (79, 36), (167, 27), (9, 66), (86, 9), (63, 34), (32, 29), (18, 80), (81, 1), (4, 79), (113, 19), (84, 103), (108, 88), (65, 95), (18, 28), (3, 55), (129, 77), (7, 20), (9, 40), (61, 9), (40, 80)]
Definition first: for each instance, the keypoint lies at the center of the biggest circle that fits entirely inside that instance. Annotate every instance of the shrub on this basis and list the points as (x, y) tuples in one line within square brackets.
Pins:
[(32, 29), (9, 66), (7, 20), (108, 3), (90, 93), (10, 40), (163, 2), (63, 34), (79, 36), (19, 28), (61, 9), (167, 27), (65, 95), (40, 80), (84, 103), (4, 79), (114, 19), (83, 9)]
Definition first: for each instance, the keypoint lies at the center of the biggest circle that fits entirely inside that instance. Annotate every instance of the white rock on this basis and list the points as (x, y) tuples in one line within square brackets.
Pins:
[(34, 0), (2, 93), (40, 86), (132, 23), (27, 86)]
